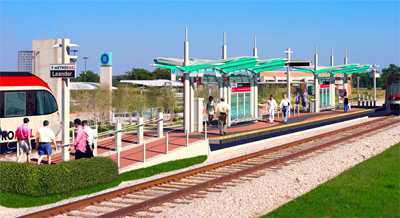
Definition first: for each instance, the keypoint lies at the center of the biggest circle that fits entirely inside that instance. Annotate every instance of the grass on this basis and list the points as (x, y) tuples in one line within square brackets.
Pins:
[(14, 200), (369, 189)]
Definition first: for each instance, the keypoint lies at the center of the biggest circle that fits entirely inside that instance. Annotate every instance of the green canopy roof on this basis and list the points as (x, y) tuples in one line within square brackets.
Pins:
[(223, 66), (341, 69)]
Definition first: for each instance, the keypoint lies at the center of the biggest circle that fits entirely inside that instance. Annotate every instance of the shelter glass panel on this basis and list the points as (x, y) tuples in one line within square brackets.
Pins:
[(247, 113), (234, 108), (240, 106)]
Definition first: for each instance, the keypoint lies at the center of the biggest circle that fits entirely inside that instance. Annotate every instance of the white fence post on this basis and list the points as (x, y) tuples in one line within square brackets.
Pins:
[(187, 138), (144, 152), (140, 127), (118, 136), (166, 144), (160, 125), (96, 132), (205, 130)]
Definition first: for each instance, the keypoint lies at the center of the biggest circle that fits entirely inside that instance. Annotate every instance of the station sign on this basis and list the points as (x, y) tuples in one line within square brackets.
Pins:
[(106, 59), (324, 86), (62, 71), (197, 79), (241, 87)]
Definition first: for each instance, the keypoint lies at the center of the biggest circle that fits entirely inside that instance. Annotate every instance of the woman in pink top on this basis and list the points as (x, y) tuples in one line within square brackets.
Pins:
[(24, 140), (80, 140)]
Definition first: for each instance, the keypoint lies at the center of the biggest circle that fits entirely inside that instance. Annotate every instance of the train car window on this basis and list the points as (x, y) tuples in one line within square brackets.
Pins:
[(15, 104), (30, 103), (395, 88), (45, 103)]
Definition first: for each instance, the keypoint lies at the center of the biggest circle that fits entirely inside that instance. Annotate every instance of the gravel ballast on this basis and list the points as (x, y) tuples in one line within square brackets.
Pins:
[(264, 194)]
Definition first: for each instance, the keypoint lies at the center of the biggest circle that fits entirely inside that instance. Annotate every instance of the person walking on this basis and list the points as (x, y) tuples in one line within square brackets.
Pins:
[(297, 102), (90, 136), (304, 100), (222, 111), (210, 109), (80, 140), (345, 102), (44, 137), (24, 141), (285, 109), (271, 107)]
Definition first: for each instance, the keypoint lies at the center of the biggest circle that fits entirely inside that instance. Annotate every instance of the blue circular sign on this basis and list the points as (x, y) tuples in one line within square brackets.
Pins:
[(173, 71), (104, 59)]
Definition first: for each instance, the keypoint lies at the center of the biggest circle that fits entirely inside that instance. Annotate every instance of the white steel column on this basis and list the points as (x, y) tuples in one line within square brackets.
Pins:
[(252, 103), (331, 93), (224, 49), (228, 101), (192, 109), (316, 85), (186, 88), (65, 105), (374, 70), (288, 52), (255, 77)]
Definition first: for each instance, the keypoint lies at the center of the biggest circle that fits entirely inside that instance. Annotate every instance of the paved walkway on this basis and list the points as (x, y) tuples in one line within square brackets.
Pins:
[(132, 153)]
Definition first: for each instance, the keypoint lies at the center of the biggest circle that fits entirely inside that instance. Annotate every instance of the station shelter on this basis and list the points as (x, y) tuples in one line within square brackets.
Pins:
[(237, 82), (324, 82)]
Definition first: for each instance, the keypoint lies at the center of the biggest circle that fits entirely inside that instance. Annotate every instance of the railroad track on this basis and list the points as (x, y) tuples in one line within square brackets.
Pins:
[(149, 198)]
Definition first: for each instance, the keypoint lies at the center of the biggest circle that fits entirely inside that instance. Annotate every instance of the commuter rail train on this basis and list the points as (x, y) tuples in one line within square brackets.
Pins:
[(392, 100), (23, 95)]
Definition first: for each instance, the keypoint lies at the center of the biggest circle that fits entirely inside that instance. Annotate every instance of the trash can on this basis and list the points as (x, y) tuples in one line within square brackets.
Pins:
[(312, 105)]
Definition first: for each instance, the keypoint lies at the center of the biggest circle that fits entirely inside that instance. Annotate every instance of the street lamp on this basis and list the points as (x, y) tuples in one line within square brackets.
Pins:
[(85, 67), (74, 51)]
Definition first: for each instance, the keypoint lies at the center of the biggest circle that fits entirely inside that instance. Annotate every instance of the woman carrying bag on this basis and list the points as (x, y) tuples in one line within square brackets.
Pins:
[(210, 109), (286, 104)]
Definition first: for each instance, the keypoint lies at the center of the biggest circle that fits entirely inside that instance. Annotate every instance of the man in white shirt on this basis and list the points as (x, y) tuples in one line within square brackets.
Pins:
[(222, 110), (90, 136), (44, 137), (286, 104)]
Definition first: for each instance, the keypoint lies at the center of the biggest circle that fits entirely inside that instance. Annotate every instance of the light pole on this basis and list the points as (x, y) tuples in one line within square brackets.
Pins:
[(85, 67), (358, 90)]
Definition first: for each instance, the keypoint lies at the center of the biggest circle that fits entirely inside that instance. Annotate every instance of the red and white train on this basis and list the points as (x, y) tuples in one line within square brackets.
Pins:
[(23, 95), (392, 100)]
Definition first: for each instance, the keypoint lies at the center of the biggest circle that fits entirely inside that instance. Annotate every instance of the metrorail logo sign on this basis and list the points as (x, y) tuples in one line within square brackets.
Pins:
[(62, 71)]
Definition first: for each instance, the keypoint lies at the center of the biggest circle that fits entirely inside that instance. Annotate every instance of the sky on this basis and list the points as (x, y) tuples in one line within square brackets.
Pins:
[(137, 32)]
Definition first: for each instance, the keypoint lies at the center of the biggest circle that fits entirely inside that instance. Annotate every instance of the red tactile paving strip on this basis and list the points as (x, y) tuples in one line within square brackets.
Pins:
[(177, 139)]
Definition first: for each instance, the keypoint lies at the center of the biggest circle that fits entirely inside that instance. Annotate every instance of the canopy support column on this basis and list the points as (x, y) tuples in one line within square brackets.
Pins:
[(186, 103)]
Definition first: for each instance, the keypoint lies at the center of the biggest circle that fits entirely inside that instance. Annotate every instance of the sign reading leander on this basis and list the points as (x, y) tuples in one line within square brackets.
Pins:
[(62, 71)]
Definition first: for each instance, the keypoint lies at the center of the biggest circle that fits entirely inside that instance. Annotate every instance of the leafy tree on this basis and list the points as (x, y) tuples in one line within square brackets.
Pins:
[(161, 73), (138, 74), (90, 76)]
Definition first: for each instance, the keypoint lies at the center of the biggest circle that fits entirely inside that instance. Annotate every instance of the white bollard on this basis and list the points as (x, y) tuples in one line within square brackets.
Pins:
[(166, 144), (160, 125), (18, 149)]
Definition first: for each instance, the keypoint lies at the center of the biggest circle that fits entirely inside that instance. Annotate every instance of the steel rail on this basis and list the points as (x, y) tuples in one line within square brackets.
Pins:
[(171, 196), (113, 194)]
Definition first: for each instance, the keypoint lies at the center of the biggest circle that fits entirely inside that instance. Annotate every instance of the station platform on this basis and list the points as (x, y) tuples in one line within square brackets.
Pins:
[(132, 153)]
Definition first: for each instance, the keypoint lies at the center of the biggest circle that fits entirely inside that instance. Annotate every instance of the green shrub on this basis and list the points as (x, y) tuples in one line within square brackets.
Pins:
[(34, 180), (369, 87)]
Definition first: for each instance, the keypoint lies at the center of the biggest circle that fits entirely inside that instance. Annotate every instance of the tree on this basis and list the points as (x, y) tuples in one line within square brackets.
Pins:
[(90, 76), (161, 73), (169, 102)]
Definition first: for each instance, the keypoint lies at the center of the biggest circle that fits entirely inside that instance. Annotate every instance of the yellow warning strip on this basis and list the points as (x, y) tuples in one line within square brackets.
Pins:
[(287, 125)]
